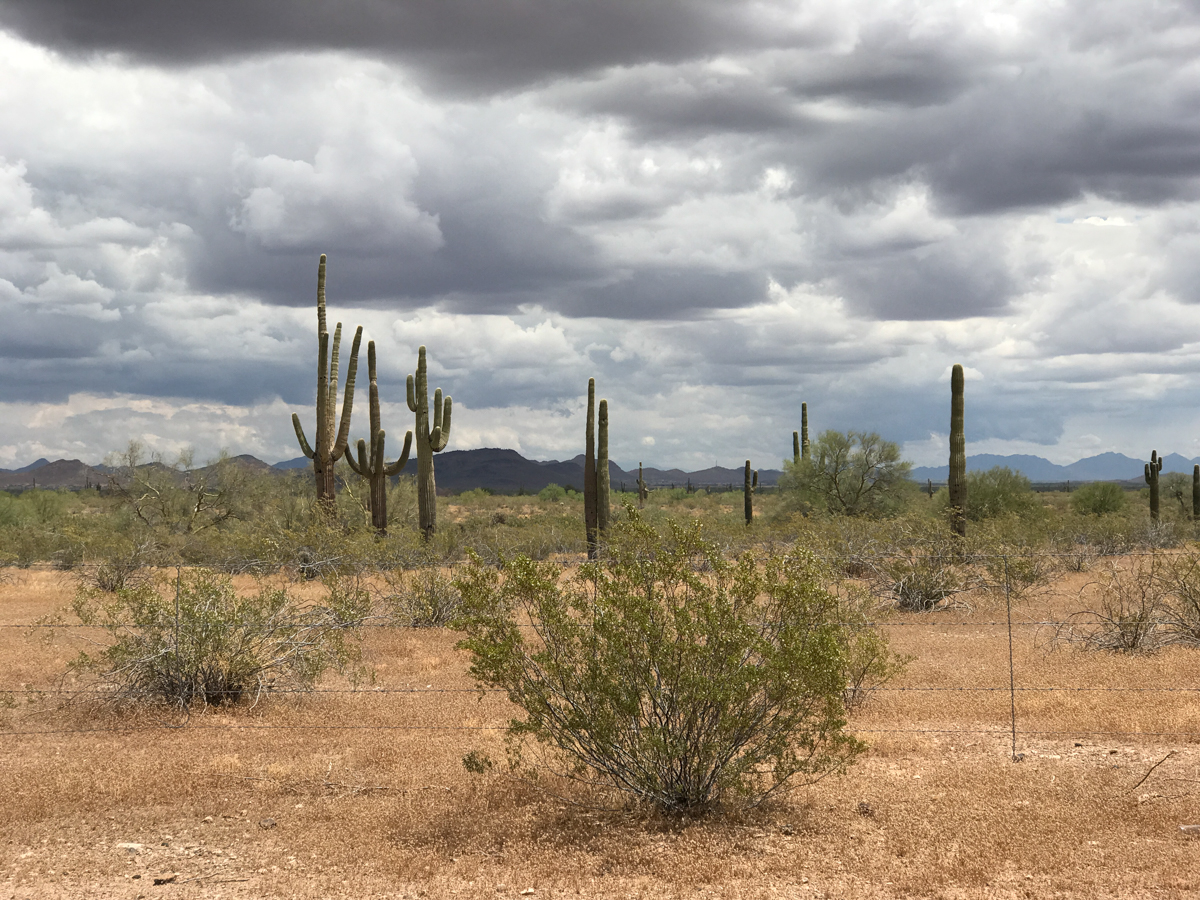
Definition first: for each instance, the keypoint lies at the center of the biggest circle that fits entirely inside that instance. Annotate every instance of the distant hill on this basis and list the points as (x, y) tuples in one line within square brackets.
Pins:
[(506, 471), (62, 473), (1104, 467)]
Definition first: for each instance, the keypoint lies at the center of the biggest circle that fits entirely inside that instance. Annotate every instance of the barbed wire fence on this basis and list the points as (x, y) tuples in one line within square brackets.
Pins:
[(929, 618)]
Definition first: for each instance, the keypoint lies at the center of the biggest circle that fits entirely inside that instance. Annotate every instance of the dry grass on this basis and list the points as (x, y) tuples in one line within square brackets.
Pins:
[(383, 807)]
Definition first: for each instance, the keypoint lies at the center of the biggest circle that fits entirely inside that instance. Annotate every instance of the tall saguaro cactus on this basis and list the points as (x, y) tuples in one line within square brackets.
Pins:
[(589, 473), (595, 474), (1152, 469), (644, 492), (602, 474), (374, 467), (1196, 493), (330, 446), (804, 431), (748, 492), (430, 440), (957, 482)]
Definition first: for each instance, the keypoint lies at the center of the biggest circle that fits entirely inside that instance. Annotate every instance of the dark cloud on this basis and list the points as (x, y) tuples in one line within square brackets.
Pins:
[(472, 45)]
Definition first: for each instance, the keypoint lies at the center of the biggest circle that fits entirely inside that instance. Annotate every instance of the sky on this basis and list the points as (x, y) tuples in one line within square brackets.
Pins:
[(719, 210)]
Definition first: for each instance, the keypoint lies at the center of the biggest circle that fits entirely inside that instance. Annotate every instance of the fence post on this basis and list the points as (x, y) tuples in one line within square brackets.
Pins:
[(1012, 681)]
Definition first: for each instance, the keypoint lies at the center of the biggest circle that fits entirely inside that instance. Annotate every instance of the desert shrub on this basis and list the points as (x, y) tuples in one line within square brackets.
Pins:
[(119, 563), (1020, 572), (1180, 579), (196, 641), (552, 493), (1176, 486), (1098, 498), (423, 597), (1124, 610), (920, 581), (665, 670)]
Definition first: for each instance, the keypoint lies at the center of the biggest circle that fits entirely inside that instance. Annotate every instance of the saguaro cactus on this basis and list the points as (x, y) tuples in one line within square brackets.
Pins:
[(804, 431), (374, 467), (748, 488), (958, 455), (589, 473), (330, 447), (602, 473), (429, 441), (644, 492), (796, 448), (1196, 493), (1152, 469), (595, 474)]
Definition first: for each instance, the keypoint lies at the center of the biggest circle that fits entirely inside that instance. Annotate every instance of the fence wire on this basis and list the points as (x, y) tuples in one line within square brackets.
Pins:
[(865, 558)]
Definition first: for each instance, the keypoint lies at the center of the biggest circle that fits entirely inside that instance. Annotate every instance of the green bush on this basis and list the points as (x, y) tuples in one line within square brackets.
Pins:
[(668, 672), (196, 641), (552, 493), (1098, 498), (997, 492)]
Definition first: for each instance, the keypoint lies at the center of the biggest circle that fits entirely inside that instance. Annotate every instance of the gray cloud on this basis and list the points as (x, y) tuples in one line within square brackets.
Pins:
[(720, 210)]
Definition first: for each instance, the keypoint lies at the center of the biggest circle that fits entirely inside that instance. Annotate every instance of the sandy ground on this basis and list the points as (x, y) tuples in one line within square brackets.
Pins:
[(364, 794)]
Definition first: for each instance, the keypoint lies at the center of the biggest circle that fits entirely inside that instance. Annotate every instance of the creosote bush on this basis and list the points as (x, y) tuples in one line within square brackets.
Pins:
[(196, 641), (1098, 498), (668, 672)]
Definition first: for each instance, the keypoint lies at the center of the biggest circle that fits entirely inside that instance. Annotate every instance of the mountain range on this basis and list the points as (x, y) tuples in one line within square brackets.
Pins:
[(503, 471), (506, 471), (1104, 467)]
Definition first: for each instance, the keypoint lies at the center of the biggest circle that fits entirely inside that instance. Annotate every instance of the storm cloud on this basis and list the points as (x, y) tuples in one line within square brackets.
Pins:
[(717, 209)]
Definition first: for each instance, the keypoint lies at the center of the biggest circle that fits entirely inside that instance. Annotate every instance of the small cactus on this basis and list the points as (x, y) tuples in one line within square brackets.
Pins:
[(1152, 469), (330, 447), (957, 481), (748, 488), (430, 440), (374, 467)]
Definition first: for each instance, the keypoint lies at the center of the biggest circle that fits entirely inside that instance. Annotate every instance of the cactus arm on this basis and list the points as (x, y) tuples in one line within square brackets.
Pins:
[(796, 447), (359, 468), (322, 384), (441, 432), (373, 395), (300, 436), (1149, 480), (437, 413), (343, 435), (412, 397), (398, 466)]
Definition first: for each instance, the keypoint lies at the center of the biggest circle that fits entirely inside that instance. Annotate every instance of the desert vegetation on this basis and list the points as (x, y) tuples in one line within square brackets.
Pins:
[(802, 690)]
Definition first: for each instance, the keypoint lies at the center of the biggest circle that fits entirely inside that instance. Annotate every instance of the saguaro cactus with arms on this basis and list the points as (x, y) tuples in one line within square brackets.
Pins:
[(374, 467), (329, 446), (430, 440)]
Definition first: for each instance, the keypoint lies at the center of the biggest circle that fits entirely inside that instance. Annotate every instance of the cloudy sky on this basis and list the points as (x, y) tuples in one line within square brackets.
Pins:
[(718, 209)]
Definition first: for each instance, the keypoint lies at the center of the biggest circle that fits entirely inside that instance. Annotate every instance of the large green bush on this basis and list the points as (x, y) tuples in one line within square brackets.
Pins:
[(1098, 498), (669, 672), (997, 492)]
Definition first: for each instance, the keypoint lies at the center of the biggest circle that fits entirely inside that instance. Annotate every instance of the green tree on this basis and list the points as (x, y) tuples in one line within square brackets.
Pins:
[(999, 491), (668, 672), (855, 474)]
